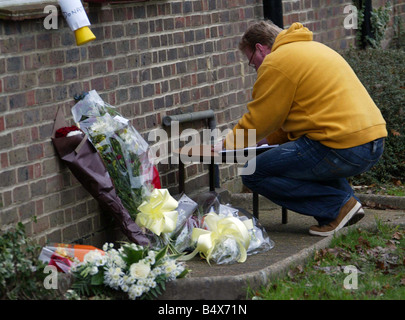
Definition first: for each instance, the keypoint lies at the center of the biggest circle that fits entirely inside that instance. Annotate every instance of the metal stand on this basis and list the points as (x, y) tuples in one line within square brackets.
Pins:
[(204, 152)]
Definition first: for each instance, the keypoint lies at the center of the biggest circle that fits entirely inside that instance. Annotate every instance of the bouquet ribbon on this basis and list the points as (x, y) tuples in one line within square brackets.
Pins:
[(221, 228), (158, 214)]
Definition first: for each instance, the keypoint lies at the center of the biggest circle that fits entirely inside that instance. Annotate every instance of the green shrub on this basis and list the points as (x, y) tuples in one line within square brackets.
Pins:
[(382, 72), (21, 272)]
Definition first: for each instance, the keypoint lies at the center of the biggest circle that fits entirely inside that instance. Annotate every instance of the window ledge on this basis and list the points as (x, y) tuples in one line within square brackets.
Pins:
[(28, 11)]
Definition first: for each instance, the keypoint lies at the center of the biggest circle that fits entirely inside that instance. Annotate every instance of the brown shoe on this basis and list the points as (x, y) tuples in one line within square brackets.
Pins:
[(352, 209)]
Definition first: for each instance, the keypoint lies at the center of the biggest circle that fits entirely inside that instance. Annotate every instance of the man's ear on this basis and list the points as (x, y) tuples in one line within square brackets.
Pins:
[(261, 49)]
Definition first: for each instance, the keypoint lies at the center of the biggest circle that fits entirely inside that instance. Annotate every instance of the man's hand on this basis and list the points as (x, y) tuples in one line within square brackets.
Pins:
[(219, 146), (263, 141)]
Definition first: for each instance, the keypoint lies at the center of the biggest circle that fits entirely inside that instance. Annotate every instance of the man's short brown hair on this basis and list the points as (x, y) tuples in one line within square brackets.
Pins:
[(263, 32)]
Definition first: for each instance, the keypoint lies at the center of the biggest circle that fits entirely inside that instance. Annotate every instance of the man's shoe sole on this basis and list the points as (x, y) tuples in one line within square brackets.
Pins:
[(356, 218), (351, 214)]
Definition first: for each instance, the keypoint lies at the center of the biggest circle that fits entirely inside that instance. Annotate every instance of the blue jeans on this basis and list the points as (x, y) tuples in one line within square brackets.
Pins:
[(309, 178)]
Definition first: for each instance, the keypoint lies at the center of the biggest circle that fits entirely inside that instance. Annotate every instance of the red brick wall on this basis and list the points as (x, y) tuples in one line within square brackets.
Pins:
[(323, 17), (150, 59)]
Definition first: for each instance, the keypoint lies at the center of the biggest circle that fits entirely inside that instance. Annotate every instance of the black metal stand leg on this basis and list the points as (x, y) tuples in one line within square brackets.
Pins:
[(212, 175), (256, 205), (181, 177), (284, 218)]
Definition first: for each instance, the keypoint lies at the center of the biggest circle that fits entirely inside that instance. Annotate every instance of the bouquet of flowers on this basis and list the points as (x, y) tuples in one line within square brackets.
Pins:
[(126, 156), (135, 270), (227, 235), (125, 153), (83, 160), (169, 219)]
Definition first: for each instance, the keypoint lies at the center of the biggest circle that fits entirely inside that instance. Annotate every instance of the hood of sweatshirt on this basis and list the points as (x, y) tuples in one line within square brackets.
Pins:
[(296, 32)]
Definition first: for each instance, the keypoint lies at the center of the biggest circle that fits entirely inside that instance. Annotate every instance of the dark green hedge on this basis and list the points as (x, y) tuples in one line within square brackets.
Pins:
[(382, 72)]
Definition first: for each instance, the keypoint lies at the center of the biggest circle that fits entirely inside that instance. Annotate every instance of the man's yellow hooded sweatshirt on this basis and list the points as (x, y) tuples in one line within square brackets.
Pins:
[(304, 88)]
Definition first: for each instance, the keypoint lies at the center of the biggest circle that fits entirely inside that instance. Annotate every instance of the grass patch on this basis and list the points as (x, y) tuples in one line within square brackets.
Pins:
[(359, 265), (383, 189)]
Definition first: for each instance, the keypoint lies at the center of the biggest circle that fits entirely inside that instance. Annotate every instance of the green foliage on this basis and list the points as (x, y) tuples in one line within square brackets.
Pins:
[(382, 72), (379, 22), (21, 272)]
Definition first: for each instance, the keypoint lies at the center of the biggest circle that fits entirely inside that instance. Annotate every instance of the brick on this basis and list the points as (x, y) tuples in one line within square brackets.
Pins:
[(17, 101), (7, 178), (9, 216), (57, 58), (27, 210), (70, 233), (72, 55), (11, 83), (44, 77), (123, 46), (35, 152), (14, 64), (69, 73), (97, 84), (43, 95), (135, 93), (110, 82), (124, 78), (148, 90), (41, 224), (21, 194), (9, 45), (30, 80), (51, 202), (44, 41), (117, 31), (120, 63), (122, 96), (68, 38), (21, 136), (131, 29), (109, 49), (119, 14), (55, 236), (95, 52), (27, 43), (99, 67)]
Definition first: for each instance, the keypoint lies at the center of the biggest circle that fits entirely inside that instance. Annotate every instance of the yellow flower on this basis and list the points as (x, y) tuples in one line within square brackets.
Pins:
[(219, 229), (158, 214)]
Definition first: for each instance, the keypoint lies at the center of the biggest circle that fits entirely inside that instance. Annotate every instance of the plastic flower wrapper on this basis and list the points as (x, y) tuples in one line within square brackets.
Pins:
[(167, 218), (85, 163), (227, 235), (186, 222), (222, 240), (63, 256), (259, 239), (125, 153), (134, 270)]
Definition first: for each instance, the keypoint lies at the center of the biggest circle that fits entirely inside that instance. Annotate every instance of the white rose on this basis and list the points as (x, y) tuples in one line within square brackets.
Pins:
[(139, 270), (93, 270), (94, 257)]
